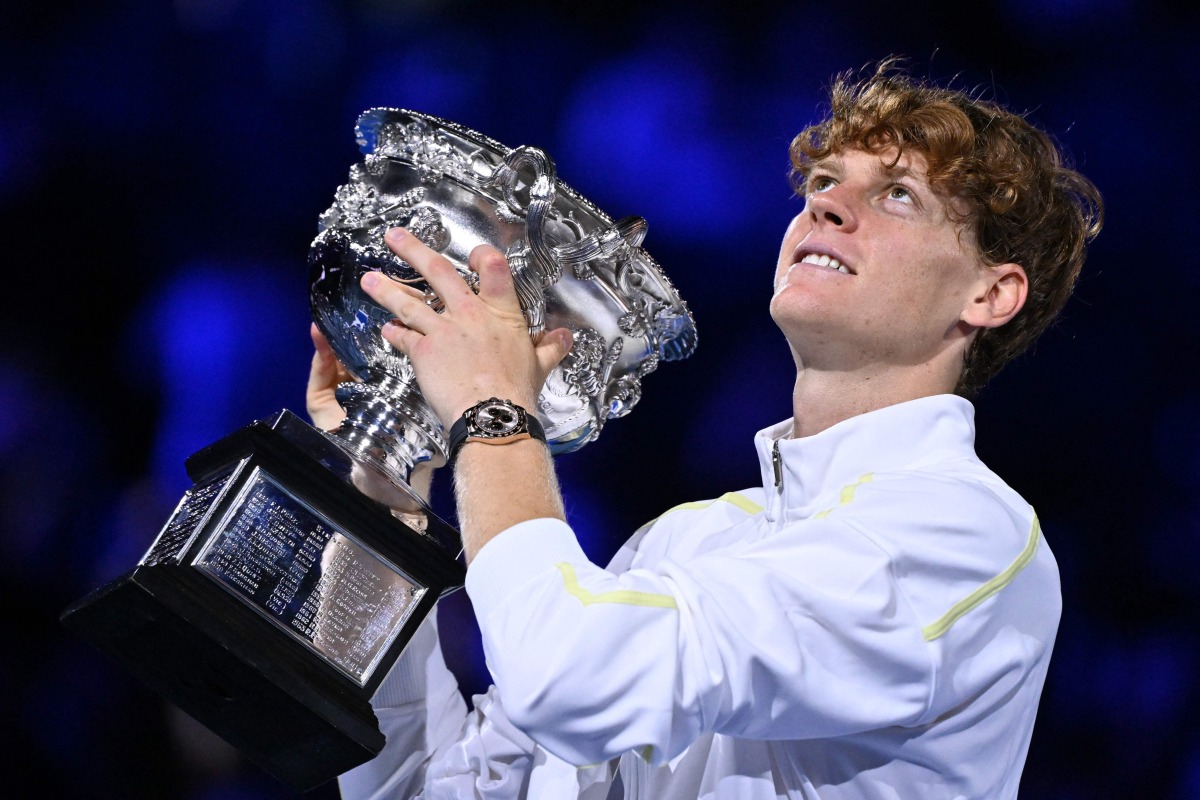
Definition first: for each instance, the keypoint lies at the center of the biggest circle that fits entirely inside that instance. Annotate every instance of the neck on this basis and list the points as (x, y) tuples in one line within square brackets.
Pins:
[(823, 398)]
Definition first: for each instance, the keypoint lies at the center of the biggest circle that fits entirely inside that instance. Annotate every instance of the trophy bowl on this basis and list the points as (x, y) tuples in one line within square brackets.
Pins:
[(573, 266)]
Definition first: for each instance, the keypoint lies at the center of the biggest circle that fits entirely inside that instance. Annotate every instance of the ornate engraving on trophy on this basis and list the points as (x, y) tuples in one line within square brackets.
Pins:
[(585, 368), (647, 365), (430, 152), (623, 396), (314, 581), (356, 204), (510, 217), (426, 224), (632, 324), (193, 509)]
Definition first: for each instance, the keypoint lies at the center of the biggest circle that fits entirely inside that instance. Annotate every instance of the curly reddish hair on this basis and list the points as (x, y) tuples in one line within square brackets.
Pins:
[(1025, 205)]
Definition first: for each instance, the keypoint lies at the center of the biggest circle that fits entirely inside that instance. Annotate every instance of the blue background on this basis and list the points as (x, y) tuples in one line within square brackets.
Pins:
[(162, 166)]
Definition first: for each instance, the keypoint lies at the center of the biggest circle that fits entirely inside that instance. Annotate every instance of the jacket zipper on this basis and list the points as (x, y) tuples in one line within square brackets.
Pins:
[(777, 463)]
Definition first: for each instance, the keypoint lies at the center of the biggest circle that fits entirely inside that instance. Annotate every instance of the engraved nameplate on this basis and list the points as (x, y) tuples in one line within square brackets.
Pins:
[(312, 579)]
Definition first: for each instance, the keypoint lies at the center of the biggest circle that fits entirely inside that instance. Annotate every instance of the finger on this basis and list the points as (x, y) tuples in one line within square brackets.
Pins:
[(435, 268), (325, 373), (324, 363), (401, 300), (495, 278), (318, 339), (322, 346), (553, 347), (400, 336), (321, 374)]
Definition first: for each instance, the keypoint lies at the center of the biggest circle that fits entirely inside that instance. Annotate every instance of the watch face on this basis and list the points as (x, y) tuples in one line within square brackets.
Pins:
[(496, 418)]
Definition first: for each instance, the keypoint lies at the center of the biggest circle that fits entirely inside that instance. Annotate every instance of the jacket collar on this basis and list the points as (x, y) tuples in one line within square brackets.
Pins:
[(815, 468)]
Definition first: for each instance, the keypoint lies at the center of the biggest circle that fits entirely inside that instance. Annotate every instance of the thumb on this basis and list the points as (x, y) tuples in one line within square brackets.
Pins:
[(553, 347), (324, 362), (326, 370)]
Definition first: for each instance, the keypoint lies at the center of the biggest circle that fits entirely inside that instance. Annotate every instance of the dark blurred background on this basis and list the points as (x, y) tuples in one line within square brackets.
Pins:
[(162, 166)]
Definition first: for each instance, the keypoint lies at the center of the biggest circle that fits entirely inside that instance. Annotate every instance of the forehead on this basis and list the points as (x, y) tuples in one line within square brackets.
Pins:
[(881, 163)]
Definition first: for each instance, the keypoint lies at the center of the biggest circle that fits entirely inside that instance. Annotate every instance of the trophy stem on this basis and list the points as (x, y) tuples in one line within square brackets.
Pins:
[(389, 425)]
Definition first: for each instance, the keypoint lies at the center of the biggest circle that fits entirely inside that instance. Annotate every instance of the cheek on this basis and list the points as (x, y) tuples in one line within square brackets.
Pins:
[(942, 286), (796, 230), (920, 279), (780, 278)]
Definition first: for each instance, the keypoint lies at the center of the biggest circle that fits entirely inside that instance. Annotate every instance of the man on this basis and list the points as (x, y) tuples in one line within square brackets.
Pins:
[(875, 620)]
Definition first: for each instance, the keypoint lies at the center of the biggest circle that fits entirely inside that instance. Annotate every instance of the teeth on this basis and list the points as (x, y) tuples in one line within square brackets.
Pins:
[(825, 261)]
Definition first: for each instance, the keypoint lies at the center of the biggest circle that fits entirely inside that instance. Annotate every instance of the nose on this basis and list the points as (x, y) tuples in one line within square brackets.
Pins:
[(832, 207)]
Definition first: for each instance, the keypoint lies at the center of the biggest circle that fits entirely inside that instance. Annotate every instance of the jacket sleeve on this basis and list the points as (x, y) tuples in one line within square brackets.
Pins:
[(795, 635), (437, 748)]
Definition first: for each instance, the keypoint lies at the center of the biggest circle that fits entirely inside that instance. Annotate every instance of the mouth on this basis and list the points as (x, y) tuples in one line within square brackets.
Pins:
[(824, 261)]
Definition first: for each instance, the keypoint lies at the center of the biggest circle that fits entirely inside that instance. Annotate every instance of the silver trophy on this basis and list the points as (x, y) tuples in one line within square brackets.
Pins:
[(300, 563), (572, 265)]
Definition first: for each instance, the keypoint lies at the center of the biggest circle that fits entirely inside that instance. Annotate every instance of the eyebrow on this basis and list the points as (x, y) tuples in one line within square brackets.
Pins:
[(830, 162), (896, 171), (833, 163)]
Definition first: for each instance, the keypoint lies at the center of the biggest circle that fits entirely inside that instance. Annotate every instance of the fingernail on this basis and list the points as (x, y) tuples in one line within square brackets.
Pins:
[(396, 234), (370, 280)]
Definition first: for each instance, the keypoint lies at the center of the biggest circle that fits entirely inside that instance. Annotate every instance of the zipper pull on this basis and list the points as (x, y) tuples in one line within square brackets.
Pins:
[(777, 462)]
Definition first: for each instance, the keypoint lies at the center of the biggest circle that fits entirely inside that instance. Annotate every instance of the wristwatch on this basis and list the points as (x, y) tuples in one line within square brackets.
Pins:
[(494, 421)]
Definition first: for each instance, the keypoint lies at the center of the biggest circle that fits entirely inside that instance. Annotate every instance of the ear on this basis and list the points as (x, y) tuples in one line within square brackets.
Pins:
[(1000, 294)]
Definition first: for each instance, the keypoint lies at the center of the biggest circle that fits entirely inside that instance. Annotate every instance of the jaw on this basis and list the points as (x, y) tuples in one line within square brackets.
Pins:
[(827, 338)]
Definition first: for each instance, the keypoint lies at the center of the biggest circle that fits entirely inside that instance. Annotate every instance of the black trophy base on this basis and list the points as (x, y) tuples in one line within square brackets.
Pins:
[(277, 597), (173, 639)]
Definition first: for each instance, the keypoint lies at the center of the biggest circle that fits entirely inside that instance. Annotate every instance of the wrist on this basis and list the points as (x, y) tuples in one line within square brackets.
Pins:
[(470, 400), (494, 421)]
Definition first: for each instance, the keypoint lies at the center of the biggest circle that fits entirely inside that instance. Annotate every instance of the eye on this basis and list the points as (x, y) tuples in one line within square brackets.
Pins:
[(820, 183), (900, 193)]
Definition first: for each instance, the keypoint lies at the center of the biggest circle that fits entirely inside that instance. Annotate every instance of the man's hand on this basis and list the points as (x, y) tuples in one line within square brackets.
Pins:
[(479, 346), (324, 376)]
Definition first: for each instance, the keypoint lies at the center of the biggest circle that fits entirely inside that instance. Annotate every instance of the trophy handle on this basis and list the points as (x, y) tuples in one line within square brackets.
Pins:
[(625, 232), (537, 267)]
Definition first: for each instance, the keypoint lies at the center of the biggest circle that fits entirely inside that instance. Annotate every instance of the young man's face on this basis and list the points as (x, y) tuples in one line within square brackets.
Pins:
[(905, 275)]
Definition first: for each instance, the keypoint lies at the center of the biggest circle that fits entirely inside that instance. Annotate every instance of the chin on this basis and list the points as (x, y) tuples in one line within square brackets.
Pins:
[(776, 308), (799, 303), (795, 326)]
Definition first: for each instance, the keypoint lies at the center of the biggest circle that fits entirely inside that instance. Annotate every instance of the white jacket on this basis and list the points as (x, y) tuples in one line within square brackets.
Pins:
[(875, 621)]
